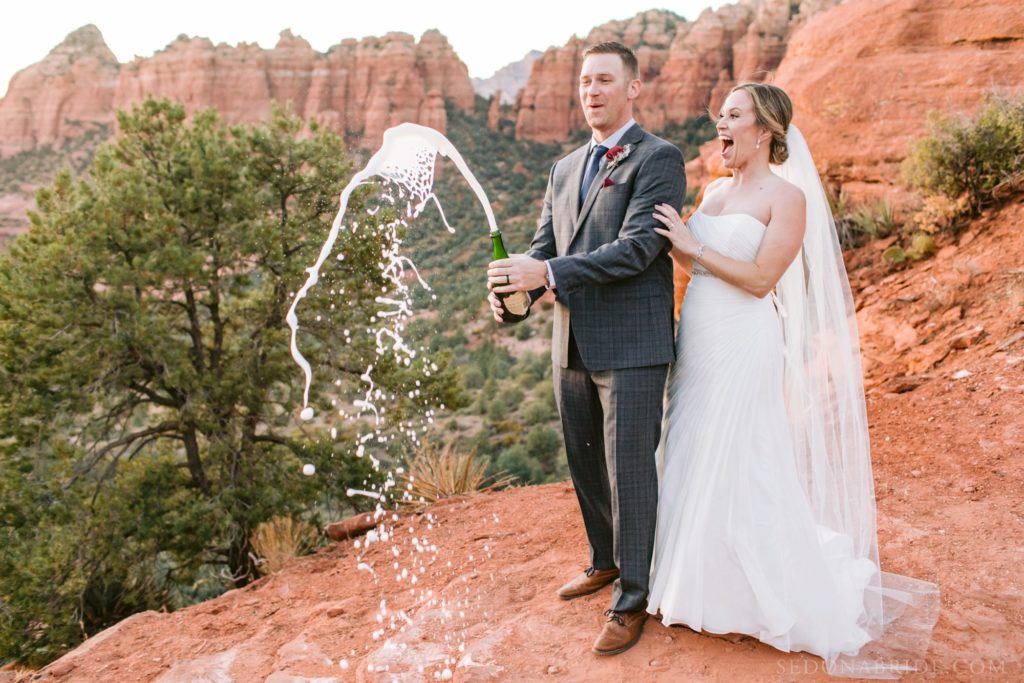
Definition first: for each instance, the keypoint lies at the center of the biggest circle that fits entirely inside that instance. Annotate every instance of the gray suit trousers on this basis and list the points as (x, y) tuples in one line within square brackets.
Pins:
[(612, 425)]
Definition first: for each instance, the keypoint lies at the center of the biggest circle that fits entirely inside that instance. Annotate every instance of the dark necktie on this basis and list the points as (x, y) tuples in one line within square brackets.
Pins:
[(588, 177)]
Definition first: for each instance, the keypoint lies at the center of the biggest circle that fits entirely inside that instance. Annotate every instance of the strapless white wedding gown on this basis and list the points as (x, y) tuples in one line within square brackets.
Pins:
[(737, 547)]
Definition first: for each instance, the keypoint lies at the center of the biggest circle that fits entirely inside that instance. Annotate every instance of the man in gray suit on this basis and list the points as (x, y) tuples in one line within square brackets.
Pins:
[(612, 343)]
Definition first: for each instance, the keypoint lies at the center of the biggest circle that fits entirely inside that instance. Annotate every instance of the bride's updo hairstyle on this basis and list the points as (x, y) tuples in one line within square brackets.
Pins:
[(774, 111)]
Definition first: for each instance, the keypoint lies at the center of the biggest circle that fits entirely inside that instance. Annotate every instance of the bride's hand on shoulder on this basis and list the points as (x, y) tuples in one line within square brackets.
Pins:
[(677, 232)]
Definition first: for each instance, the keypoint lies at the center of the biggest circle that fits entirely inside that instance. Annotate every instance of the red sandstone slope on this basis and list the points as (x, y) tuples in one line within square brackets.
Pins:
[(865, 74), (948, 451)]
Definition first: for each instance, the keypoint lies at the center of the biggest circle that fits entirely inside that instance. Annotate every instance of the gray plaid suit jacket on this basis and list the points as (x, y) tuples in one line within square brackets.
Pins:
[(612, 272)]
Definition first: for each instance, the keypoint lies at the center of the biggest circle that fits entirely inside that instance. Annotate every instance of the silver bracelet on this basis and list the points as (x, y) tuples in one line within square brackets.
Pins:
[(700, 252)]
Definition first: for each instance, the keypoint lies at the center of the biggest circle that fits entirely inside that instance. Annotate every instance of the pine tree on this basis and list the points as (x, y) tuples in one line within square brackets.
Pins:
[(148, 403)]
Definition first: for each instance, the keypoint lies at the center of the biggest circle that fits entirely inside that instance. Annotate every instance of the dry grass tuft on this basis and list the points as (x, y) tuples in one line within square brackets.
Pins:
[(281, 539), (436, 473)]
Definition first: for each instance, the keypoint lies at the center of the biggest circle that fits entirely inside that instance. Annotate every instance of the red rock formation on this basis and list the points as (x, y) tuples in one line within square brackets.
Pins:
[(699, 62), (548, 109), (199, 74), (69, 91), (358, 88), (862, 95), (684, 66), (494, 111)]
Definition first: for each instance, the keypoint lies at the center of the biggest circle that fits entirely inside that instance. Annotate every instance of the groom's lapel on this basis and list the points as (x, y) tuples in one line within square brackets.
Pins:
[(633, 136), (577, 166)]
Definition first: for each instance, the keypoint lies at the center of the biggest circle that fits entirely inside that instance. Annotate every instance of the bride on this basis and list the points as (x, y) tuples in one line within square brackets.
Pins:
[(766, 519)]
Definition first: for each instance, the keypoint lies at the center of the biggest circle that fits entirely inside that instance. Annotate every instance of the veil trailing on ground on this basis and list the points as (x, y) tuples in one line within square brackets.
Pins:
[(825, 402)]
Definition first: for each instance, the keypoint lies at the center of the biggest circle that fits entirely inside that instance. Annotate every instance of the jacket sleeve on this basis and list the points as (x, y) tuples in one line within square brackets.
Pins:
[(543, 247), (661, 179)]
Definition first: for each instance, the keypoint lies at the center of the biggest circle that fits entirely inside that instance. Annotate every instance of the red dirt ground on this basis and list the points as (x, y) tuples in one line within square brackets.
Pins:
[(949, 475)]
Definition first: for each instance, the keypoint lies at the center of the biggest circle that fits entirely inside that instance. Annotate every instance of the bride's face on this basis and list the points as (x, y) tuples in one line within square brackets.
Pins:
[(739, 131)]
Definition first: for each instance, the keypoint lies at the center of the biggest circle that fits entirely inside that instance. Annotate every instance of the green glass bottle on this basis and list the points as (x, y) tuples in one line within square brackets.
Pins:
[(515, 305)]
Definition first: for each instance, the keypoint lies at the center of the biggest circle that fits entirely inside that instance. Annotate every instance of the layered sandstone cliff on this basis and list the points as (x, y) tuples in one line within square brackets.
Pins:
[(863, 75), (358, 88), (685, 65), (71, 90)]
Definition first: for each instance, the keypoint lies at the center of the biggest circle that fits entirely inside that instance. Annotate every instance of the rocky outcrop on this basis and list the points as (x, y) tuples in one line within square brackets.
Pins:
[(862, 95), (61, 97), (548, 107), (358, 88), (686, 66), (494, 111), (507, 81)]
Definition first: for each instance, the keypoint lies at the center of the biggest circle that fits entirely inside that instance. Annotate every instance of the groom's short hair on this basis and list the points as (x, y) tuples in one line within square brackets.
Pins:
[(625, 54)]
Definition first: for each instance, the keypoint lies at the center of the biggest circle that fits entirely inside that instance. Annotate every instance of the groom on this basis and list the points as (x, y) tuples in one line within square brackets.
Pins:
[(596, 248)]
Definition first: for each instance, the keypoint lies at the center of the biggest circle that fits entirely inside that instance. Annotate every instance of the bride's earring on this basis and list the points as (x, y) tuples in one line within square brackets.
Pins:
[(758, 145)]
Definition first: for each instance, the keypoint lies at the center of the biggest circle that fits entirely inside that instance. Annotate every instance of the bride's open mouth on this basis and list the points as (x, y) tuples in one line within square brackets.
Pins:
[(727, 144)]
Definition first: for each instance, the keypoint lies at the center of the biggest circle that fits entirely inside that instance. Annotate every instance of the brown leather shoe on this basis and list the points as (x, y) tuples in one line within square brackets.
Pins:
[(620, 632), (588, 582)]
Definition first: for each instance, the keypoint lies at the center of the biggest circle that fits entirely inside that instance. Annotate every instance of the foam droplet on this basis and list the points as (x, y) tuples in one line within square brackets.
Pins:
[(306, 414)]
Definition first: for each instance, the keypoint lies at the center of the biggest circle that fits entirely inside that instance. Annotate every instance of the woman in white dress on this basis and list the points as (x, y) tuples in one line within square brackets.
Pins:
[(766, 519)]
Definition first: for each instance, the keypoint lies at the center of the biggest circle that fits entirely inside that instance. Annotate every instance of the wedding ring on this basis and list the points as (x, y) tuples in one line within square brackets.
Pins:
[(508, 280)]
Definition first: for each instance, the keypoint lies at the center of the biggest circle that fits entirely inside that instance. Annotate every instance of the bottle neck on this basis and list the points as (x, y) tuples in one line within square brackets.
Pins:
[(499, 246)]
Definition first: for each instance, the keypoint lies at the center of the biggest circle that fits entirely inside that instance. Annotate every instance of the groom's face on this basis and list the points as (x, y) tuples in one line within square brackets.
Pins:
[(606, 93)]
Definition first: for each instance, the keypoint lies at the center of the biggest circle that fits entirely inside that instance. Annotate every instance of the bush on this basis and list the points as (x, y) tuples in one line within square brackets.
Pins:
[(472, 377), (970, 158), (145, 373), (517, 462), (537, 412), (497, 409), (511, 396), (858, 224), (542, 445), (875, 220)]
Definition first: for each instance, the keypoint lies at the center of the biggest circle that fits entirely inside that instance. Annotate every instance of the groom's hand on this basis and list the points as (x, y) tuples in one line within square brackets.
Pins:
[(496, 309), (516, 273)]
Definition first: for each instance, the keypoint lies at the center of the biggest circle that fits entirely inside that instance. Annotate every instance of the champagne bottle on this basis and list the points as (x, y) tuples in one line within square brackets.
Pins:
[(515, 306)]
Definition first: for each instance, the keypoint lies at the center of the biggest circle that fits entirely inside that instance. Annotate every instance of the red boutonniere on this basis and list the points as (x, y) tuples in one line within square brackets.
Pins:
[(617, 154)]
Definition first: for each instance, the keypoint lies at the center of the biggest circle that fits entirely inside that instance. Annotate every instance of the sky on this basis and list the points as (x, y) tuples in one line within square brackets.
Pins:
[(485, 35)]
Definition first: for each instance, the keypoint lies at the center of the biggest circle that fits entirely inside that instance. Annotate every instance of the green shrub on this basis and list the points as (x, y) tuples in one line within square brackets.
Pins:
[(472, 377), (523, 331), (145, 369), (537, 412), (518, 463), (497, 409), (542, 443), (970, 158), (875, 220), (860, 223), (512, 396)]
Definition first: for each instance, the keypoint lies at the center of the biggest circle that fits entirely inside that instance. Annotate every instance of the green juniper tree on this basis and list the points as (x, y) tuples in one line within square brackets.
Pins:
[(147, 393)]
